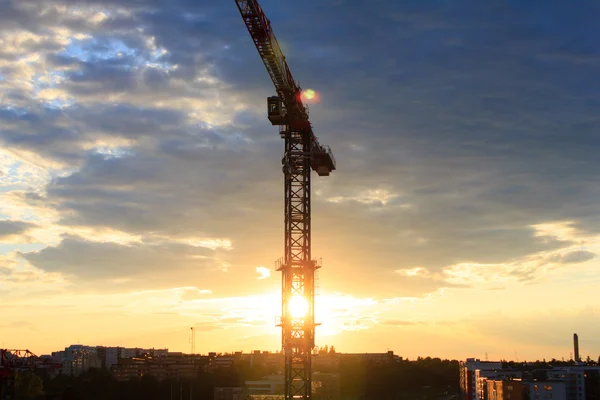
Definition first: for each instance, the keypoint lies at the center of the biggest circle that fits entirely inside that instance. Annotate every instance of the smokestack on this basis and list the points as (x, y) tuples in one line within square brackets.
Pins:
[(576, 346)]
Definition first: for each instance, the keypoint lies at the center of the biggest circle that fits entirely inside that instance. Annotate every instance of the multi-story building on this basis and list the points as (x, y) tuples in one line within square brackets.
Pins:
[(591, 378), (582, 382), (545, 390), (269, 385), (468, 383), (273, 361), (482, 377), (223, 361), (326, 386), (77, 359), (128, 352), (573, 379), (171, 366), (504, 389), (372, 358), (111, 356), (488, 381), (326, 362)]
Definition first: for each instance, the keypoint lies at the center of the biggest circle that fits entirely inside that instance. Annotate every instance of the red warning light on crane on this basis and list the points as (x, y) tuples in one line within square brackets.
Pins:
[(310, 96)]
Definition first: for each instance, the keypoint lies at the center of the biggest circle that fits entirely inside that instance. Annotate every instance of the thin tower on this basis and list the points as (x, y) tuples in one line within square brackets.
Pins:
[(576, 347), (193, 340)]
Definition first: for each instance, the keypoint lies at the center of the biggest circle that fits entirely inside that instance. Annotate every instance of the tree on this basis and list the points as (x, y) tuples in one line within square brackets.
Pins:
[(28, 385)]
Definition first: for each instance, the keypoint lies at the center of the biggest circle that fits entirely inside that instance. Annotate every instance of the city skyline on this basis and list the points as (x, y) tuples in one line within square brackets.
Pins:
[(141, 187)]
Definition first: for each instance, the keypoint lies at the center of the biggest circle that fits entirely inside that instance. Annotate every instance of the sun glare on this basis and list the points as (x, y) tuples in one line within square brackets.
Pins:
[(310, 96), (298, 307)]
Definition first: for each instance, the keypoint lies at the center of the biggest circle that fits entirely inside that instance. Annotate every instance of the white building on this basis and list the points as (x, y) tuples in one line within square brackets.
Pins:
[(128, 353), (77, 359), (574, 379), (543, 390), (468, 383), (111, 357)]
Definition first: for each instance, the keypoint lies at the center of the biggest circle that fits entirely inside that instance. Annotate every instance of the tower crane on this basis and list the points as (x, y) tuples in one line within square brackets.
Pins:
[(302, 153), (14, 361)]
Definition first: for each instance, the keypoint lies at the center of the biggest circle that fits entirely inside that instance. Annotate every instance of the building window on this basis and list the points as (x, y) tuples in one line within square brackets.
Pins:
[(548, 388)]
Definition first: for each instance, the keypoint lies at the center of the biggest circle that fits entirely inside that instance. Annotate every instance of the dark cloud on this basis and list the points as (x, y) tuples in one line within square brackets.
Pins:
[(574, 257), (9, 227), (127, 121), (137, 265), (48, 132), (481, 118), (102, 77), (198, 193)]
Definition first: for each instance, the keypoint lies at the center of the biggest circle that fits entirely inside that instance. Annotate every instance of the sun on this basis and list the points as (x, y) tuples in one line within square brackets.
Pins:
[(298, 307)]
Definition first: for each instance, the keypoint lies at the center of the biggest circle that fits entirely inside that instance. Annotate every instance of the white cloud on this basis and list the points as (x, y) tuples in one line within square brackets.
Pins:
[(263, 272), (212, 244), (368, 196), (17, 174), (560, 230), (412, 271)]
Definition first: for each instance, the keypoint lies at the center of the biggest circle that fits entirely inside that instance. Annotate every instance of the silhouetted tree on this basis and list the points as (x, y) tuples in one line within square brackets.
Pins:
[(28, 386)]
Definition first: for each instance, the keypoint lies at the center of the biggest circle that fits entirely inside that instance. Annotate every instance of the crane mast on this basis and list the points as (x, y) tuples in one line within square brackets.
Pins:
[(302, 153)]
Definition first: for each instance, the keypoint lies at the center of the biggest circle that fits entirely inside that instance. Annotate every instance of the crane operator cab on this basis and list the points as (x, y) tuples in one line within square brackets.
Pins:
[(275, 111)]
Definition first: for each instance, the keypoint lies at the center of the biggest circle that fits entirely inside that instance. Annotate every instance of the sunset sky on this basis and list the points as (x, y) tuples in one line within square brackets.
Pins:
[(141, 190)]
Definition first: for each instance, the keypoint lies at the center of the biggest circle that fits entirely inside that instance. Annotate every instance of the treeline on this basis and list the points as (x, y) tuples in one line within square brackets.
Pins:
[(425, 378), (98, 384), (547, 364)]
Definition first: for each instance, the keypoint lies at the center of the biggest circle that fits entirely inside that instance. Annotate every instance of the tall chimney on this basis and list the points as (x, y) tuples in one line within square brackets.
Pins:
[(576, 346)]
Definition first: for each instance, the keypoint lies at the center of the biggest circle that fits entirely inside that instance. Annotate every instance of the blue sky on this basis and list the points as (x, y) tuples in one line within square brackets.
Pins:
[(140, 180)]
